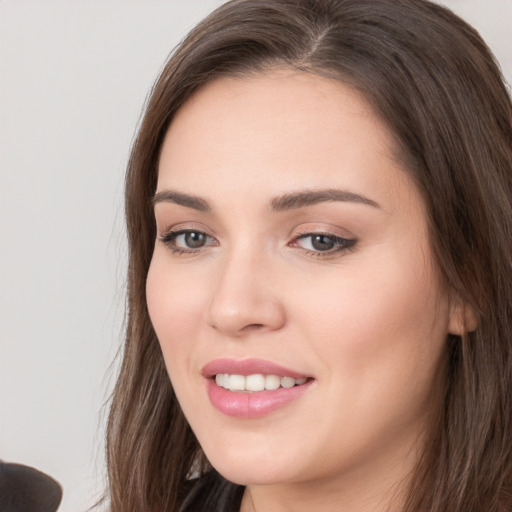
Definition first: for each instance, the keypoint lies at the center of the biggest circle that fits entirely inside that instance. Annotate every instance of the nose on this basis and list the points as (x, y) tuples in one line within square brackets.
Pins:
[(246, 298)]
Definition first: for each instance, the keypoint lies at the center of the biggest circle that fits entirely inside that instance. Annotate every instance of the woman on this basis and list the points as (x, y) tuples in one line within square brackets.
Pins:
[(319, 292)]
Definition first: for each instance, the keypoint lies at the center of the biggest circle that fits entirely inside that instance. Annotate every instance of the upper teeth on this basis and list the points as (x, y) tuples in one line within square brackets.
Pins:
[(256, 382)]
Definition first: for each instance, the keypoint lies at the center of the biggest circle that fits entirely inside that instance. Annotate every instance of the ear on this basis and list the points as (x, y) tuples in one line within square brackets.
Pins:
[(463, 318)]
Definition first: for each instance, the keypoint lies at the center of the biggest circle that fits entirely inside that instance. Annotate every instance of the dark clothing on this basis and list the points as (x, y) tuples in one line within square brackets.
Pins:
[(213, 493)]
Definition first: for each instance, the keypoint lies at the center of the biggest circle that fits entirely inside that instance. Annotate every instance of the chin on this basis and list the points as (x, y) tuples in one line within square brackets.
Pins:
[(249, 472), (251, 466)]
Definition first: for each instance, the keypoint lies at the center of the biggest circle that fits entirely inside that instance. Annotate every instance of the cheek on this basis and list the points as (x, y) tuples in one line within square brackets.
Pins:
[(173, 296), (175, 308), (378, 339), (387, 323)]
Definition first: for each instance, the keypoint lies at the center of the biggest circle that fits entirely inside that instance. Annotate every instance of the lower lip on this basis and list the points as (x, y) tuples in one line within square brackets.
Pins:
[(239, 404)]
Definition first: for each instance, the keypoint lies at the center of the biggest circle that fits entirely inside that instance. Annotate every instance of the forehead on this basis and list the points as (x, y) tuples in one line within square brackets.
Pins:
[(273, 129), (280, 102)]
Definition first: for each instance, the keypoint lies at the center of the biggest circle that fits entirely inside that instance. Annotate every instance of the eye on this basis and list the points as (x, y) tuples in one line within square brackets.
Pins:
[(187, 240), (323, 243)]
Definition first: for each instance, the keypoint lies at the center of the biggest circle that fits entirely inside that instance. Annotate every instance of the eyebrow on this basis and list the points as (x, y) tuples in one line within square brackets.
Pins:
[(171, 196), (291, 201), (304, 198)]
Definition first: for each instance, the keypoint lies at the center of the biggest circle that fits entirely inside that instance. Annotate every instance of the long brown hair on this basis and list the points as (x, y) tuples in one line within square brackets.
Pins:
[(434, 82)]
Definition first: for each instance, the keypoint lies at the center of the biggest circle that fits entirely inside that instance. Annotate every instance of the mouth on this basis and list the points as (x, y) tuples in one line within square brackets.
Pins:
[(256, 382), (252, 388)]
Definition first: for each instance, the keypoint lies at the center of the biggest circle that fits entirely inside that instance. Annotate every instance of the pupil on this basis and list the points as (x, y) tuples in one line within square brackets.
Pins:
[(322, 242), (194, 239)]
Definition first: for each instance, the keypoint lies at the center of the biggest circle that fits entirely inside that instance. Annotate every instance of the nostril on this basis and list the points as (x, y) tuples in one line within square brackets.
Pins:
[(252, 327)]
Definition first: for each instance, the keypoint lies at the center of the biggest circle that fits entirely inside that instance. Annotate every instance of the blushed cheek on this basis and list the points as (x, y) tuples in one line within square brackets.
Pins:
[(175, 309), (171, 322), (157, 297), (369, 318), (162, 310)]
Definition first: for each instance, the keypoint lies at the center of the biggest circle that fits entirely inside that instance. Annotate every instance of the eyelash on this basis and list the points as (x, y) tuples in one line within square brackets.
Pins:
[(169, 239), (340, 244)]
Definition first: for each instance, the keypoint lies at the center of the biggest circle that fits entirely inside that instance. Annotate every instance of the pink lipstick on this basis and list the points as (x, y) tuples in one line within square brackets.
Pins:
[(251, 388)]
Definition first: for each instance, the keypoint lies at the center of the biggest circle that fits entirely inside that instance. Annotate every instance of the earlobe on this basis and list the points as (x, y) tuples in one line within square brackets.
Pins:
[(463, 318)]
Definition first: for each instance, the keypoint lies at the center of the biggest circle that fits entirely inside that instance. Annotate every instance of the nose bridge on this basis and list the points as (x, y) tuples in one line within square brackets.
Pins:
[(244, 298)]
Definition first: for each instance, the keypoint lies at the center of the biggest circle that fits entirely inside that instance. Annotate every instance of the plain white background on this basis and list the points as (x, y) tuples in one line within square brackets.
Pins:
[(73, 79)]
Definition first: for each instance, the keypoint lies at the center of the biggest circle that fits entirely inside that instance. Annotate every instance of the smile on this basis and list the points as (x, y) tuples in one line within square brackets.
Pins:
[(252, 388), (256, 382)]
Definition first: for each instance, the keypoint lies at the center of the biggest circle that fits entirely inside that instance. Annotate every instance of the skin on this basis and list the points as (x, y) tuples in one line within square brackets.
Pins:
[(367, 322)]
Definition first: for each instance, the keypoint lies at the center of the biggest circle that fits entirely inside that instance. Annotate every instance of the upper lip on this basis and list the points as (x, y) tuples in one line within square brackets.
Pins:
[(248, 367)]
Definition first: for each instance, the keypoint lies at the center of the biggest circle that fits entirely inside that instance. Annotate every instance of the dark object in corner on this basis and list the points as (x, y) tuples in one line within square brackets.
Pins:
[(25, 489)]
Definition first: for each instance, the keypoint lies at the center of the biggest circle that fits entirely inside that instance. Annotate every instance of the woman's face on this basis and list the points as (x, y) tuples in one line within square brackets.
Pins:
[(292, 250)]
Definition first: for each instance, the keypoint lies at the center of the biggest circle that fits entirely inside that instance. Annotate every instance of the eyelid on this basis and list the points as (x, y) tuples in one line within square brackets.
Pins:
[(343, 241), (169, 235), (166, 227), (174, 233), (313, 228)]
